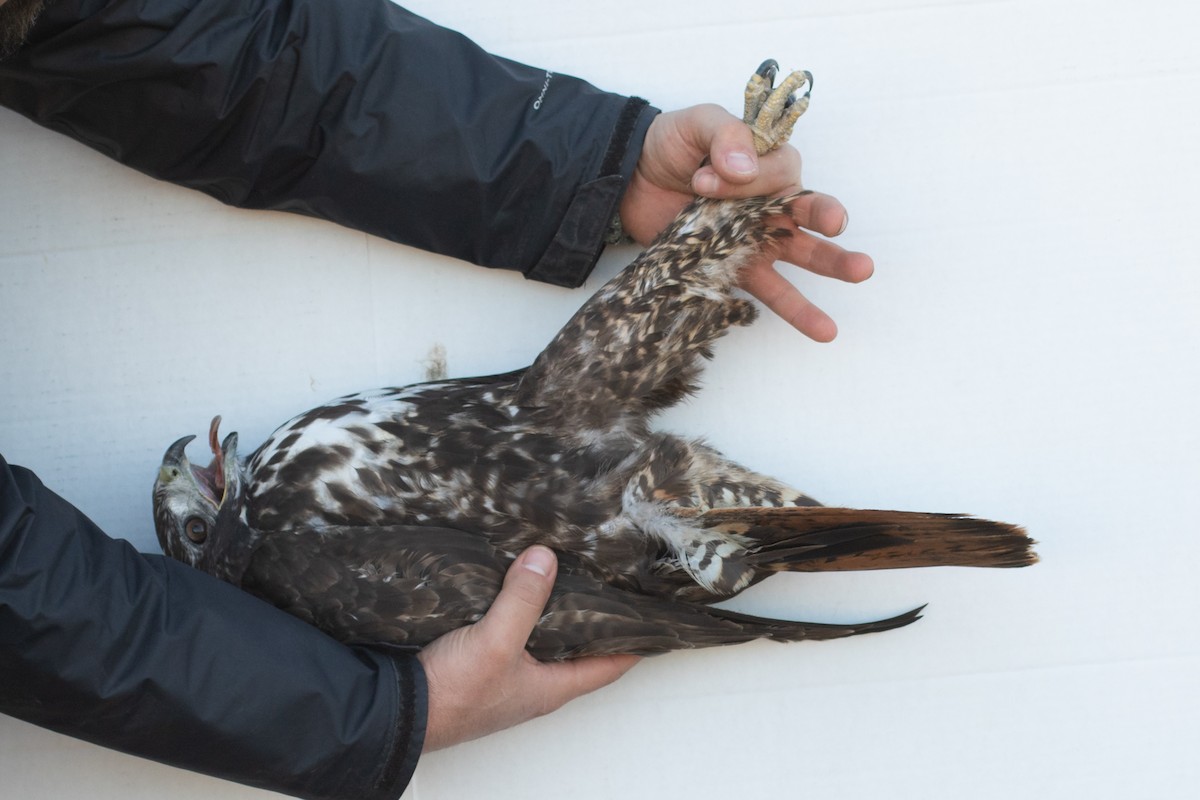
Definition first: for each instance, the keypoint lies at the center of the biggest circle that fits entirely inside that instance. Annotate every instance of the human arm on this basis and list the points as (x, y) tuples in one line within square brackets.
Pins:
[(392, 125), (148, 656), (358, 112)]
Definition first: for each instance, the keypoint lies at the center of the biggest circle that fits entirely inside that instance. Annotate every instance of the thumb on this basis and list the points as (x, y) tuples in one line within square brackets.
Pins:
[(732, 160), (517, 609), (732, 152)]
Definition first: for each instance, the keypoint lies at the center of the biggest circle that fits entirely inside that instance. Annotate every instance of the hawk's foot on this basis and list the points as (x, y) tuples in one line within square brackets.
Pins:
[(771, 112)]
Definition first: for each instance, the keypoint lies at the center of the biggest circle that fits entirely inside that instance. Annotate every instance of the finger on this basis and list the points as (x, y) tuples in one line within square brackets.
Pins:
[(593, 672), (731, 150), (786, 301), (519, 605), (778, 172), (724, 140), (824, 258), (818, 212), (570, 679)]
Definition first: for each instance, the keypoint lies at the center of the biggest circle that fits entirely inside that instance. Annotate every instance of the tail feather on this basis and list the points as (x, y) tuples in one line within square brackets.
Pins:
[(820, 539)]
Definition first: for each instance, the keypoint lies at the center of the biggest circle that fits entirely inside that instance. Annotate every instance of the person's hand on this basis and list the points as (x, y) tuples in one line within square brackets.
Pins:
[(668, 176), (482, 680)]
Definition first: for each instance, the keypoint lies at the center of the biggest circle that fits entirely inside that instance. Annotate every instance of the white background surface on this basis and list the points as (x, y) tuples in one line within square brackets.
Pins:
[(1024, 174)]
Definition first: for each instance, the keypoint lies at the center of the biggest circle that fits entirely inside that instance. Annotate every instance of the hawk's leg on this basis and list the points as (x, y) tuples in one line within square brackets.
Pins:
[(672, 486), (638, 345), (722, 483), (663, 502)]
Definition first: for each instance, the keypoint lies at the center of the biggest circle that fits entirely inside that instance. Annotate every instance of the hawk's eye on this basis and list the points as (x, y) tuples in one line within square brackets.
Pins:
[(196, 530)]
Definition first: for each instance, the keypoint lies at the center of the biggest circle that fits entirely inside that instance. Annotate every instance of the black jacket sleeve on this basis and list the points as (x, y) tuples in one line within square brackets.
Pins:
[(356, 111), (148, 656)]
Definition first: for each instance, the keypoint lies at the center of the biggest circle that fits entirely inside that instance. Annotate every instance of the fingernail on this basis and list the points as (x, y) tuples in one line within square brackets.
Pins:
[(741, 163), (845, 222), (539, 560), (705, 183)]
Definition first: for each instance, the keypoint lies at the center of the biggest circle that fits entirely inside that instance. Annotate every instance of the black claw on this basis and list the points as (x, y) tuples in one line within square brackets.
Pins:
[(793, 97), (768, 69)]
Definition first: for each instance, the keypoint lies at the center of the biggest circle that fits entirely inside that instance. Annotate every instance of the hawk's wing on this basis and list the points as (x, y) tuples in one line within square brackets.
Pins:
[(393, 584), (402, 585)]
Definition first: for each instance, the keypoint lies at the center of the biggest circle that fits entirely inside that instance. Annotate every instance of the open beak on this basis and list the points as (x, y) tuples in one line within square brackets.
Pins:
[(210, 481)]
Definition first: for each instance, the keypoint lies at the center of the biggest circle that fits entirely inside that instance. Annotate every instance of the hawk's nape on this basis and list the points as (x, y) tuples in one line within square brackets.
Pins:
[(391, 516)]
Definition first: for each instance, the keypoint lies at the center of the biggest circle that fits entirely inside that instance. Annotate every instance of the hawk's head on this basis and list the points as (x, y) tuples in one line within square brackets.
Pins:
[(199, 512)]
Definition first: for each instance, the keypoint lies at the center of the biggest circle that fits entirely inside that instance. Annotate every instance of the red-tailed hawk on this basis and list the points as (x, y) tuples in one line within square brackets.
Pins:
[(391, 516)]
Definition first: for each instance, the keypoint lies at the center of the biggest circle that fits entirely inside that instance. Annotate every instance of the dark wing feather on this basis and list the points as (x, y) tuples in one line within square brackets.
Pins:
[(400, 585), (586, 617), (403, 585)]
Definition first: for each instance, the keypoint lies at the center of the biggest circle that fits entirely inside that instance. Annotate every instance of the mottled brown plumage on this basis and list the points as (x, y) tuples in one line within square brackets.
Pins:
[(390, 516)]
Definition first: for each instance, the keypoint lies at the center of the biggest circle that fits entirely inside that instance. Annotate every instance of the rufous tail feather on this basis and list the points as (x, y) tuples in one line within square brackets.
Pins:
[(819, 539)]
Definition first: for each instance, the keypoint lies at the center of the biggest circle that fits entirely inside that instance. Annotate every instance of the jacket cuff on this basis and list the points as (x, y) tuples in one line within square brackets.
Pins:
[(577, 244), (403, 750)]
